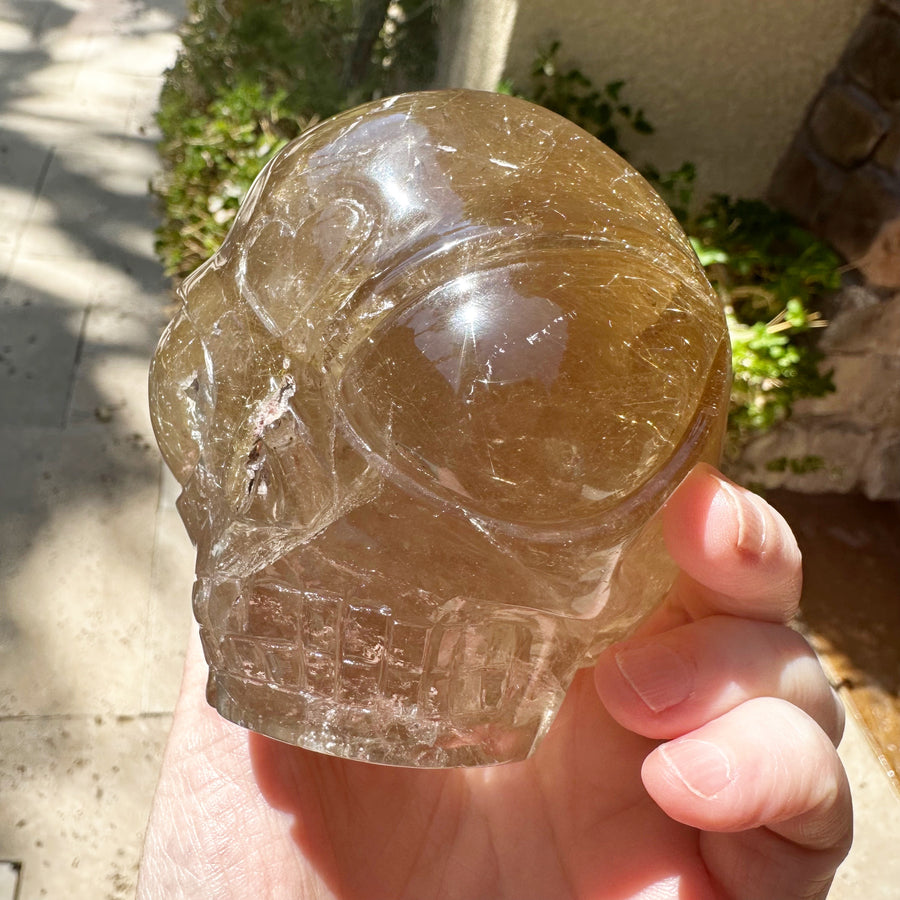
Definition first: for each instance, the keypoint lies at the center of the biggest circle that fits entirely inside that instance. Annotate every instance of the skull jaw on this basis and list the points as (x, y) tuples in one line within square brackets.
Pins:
[(412, 683), (384, 730)]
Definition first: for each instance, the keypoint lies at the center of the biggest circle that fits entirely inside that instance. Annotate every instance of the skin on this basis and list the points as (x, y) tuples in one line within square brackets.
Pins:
[(695, 761)]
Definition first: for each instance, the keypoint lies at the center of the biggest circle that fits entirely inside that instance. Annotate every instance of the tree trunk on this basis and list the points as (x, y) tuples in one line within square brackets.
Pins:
[(371, 21)]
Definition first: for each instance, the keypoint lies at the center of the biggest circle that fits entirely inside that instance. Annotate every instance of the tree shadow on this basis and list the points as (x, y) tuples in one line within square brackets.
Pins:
[(82, 304)]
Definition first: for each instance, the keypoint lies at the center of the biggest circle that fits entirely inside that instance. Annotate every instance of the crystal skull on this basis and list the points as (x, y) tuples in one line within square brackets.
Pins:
[(425, 404)]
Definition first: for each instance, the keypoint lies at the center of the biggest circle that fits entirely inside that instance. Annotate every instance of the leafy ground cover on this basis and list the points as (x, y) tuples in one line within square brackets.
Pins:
[(250, 77)]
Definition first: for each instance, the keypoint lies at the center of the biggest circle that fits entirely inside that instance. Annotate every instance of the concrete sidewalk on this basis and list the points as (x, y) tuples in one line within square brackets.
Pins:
[(95, 571)]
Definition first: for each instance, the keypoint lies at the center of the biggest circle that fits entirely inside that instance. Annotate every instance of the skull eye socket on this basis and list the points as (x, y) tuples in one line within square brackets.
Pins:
[(543, 389)]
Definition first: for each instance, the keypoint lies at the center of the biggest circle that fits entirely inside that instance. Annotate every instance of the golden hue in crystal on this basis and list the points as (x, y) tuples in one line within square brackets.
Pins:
[(424, 405)]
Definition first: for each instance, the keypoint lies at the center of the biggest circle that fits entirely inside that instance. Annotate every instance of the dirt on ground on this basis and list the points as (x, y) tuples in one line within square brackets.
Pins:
[(851, 604)]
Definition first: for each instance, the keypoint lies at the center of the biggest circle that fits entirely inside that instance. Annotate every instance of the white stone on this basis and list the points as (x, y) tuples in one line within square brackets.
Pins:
[(854, 429), (867, 391), (840, 447), (881, 471), (864, 324)]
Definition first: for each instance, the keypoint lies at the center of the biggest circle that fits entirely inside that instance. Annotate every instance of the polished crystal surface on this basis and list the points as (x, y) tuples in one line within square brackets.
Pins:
[(424, 404)]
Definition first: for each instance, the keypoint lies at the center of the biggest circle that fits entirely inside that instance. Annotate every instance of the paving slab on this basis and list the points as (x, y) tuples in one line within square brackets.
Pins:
[(22, 167), (111, 381), (125, 17), (38, 281), (170, 617), (43, 311), (9, 879), (38, 353), (137, 286), (76, 791), (77, 536), (39, 16), (85, 75), (17, 26), (95, 571), (872, 869), (91, 209), (135, 53), (70, 101)]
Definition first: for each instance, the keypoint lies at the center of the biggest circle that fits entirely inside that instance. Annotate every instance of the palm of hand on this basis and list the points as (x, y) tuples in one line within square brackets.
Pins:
[(746, 798), (572, 821)]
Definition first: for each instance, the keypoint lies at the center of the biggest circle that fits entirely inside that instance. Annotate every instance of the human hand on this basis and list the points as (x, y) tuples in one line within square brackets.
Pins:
[(719, 779)]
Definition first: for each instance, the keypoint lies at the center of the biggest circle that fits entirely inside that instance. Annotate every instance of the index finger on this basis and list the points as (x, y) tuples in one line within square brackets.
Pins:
[(737, 554)]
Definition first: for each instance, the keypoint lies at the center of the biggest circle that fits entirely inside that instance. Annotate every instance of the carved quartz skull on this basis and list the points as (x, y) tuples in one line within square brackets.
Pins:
[(425, 404)]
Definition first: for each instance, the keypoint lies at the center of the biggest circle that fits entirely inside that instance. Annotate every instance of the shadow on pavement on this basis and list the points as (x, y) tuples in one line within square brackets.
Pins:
[(851, 602)]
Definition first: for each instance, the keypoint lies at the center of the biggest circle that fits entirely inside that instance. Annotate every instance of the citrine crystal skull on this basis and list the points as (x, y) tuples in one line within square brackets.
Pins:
[(425, 404)]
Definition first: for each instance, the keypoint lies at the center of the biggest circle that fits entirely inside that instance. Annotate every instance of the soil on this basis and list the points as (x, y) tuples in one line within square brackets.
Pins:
[(851, 604)]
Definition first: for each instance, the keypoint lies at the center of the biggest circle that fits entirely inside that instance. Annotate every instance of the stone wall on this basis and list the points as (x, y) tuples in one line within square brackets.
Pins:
[(841, 174), (841, 178), (855, 432)]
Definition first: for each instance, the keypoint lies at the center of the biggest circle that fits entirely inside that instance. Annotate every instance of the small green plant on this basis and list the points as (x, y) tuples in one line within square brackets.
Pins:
[(570, 93), (250, 77), (770, 274), (799, 465), (214, 157)]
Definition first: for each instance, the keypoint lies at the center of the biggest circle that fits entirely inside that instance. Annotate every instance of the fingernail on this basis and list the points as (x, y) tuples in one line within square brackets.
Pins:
[(699, 765), (751, 535), (661, 677)]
